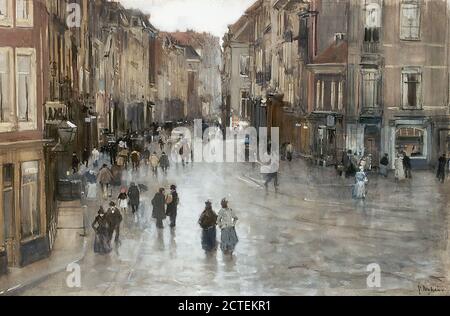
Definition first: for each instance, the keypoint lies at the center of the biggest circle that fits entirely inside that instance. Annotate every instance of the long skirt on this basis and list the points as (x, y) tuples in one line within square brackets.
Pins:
[(209, 239), (101, 243), (359, 190), (229, 239), (383, 170), (92, 191)]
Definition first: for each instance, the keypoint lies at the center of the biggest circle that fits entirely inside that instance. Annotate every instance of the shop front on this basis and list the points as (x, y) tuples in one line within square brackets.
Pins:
[(23, 234)]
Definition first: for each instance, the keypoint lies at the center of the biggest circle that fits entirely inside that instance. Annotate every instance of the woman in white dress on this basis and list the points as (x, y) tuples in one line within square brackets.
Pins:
[(399, 170)]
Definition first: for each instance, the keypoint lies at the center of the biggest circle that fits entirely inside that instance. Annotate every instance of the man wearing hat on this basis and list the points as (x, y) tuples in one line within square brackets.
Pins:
[(172, 201), (114, 219)]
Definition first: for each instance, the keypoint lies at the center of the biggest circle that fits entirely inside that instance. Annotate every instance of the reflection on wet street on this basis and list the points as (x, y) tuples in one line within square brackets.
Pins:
[(310, 238)]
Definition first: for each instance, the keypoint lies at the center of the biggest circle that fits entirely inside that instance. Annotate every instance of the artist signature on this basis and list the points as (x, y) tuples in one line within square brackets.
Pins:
[(430, 289)]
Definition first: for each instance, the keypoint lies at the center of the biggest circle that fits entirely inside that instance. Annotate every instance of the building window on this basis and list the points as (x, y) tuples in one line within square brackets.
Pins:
[(244, 66), (372, 23), (5, 13), (318, 95), (24, 13), (341, 95), (410, 20), (29, 200), (411, 88), (8, 202), (370, 89), (245, 104), (25, 81), (5, 86)]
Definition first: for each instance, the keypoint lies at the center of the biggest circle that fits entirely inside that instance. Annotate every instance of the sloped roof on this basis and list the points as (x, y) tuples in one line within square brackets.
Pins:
[(336, 53)]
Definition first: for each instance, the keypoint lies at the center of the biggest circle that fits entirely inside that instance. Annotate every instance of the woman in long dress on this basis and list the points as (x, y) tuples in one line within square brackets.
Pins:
[(399, 168), (101, 228), (359, 189), (207, 221), (226, 221)]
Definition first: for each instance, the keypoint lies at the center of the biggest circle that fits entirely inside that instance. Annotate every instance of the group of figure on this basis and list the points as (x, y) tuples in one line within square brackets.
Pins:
[(154, 161), (226, 220), (105, 225), (402, 166)]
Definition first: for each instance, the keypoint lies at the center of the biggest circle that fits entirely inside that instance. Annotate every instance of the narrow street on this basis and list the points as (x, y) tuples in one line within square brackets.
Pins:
[(309, 239)]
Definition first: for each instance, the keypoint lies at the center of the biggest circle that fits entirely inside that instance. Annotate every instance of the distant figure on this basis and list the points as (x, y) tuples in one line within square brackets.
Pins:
[(135, 159), (270, 170), (359, 189), (226, 221), (154, 163), (91, 185), (164, 162), (95, 157), (161, 143), (134, 196), (384, 163), (407, 166), (114, 219), (442, 167), (122, 200), (289, 151), (399, 168), (172, 201), (101, 228), (105, 178), (75, 163), (85, 157), (159, 212), (208, 222)]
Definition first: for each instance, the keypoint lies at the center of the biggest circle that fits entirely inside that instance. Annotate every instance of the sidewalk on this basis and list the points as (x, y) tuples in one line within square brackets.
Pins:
[(70, 246)]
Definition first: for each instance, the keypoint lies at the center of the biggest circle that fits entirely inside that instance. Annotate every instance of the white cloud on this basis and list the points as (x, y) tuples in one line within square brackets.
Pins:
[(200, 15)]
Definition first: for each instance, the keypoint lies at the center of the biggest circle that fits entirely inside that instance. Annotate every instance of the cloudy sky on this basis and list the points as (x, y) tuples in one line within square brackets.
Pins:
[(201, 15)]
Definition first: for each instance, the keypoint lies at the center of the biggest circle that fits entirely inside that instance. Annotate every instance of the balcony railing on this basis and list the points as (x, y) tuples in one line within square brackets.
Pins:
[(371, 47)]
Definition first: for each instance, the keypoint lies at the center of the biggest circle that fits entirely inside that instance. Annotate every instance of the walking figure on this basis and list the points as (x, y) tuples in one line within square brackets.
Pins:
[(407, 166), (123, 200), (164, 162), (359, 189), (159, 212), (114, 219), (154, 163), (85, 157), (208, 222), (105, 178), (134, 196), (172, 201), (226, 220), (384, 163), (101, 227), (75, 163), (442, 166)]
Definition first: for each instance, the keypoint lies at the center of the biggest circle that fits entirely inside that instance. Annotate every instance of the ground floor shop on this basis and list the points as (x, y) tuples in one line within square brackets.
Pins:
[(23, 231)]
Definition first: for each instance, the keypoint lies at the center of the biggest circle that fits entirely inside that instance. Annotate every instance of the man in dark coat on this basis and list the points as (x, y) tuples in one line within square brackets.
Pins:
[(172, 201), (442, 165), (85, 157), (164, 162), (346, 162), (407, 165), (134, 196), (75, 163), (114, 219), (159, 212)]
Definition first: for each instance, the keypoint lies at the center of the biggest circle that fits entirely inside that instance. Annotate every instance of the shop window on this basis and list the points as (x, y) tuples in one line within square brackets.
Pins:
[(411, 88), (24, 13), (410, 20), (411, 140), (29, 200), (5, 88), (8, 202)]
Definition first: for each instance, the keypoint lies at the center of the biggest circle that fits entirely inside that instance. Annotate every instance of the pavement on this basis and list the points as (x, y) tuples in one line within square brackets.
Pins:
[(70, 246), (310, 238)]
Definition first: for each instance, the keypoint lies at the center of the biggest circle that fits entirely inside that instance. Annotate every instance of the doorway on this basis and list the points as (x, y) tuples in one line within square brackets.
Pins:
[(372, 144), (8, 213)]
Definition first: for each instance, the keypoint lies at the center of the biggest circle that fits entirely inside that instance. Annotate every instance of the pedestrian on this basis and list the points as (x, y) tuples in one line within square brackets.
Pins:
[(164, 162), (75, 163), (399, 168), (114, 219), (112, 153), (159, 212), (442, 166), (95, 157), (101, 227), (359, 189), (384, 163), (122, 200), (172, 201), (289, 151), (226, 220), (407, 165), (135, 159), (161, 143), (134, 196), (154, 163), (208, 221), (91, 185), (104, 177), (270, 170), (85, 157)]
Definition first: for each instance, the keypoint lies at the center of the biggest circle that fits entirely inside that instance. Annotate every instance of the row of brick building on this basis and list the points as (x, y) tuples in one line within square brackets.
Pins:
[(369, 76), (88, 69)]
